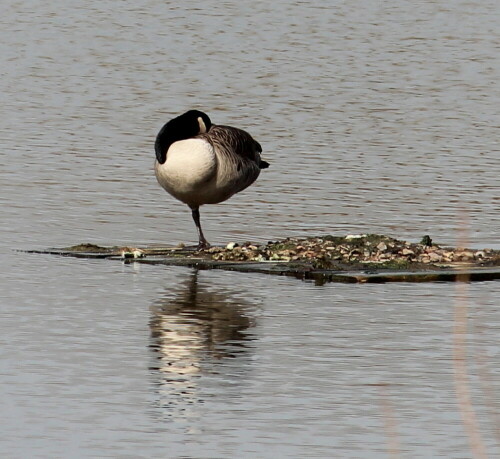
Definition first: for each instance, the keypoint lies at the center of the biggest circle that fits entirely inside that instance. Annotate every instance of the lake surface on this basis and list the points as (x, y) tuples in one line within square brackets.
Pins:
[(377, 118)]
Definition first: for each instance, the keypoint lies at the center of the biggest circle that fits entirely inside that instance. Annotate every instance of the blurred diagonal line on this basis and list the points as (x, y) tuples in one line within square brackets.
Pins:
[(390, 426)]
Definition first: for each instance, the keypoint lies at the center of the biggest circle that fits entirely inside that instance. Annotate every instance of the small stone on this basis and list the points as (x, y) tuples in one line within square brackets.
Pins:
[(382, 246), (448, 255), (128, 252), (231, 245), (434, 257), (465, 255), (354, 253), (407, 252), (354, 236)]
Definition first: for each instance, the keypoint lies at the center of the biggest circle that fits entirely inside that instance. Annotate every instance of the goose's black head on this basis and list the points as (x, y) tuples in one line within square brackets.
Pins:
[(188, 125)]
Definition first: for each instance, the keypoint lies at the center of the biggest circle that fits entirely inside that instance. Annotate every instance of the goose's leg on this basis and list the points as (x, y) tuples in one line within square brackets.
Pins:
[(203, 243)]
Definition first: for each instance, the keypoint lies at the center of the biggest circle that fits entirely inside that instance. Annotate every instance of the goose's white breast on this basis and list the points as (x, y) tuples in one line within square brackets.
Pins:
[(190, 163)]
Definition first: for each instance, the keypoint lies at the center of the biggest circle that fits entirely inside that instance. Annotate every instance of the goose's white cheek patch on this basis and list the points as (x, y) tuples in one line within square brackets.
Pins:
[(203, 128)]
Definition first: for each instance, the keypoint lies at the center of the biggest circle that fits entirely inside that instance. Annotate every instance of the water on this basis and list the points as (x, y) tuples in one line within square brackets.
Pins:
[(375, 119)]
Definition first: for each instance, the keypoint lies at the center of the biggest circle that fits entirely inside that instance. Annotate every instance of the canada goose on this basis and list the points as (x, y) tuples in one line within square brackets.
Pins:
[(201, 163)]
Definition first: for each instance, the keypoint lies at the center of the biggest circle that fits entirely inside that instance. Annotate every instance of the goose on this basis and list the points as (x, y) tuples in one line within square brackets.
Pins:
[(199, 163)]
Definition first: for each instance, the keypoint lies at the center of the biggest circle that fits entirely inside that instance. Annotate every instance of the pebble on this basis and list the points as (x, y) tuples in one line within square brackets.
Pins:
[(382, 246), (354, 236), (464, 256), (434, 257), (326, 250), (132, 253)]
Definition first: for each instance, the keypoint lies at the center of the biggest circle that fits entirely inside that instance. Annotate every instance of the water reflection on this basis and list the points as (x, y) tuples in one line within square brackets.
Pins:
[(194, 331)]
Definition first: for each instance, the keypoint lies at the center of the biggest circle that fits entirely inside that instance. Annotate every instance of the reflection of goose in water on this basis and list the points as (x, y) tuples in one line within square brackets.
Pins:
[(193, 330)]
